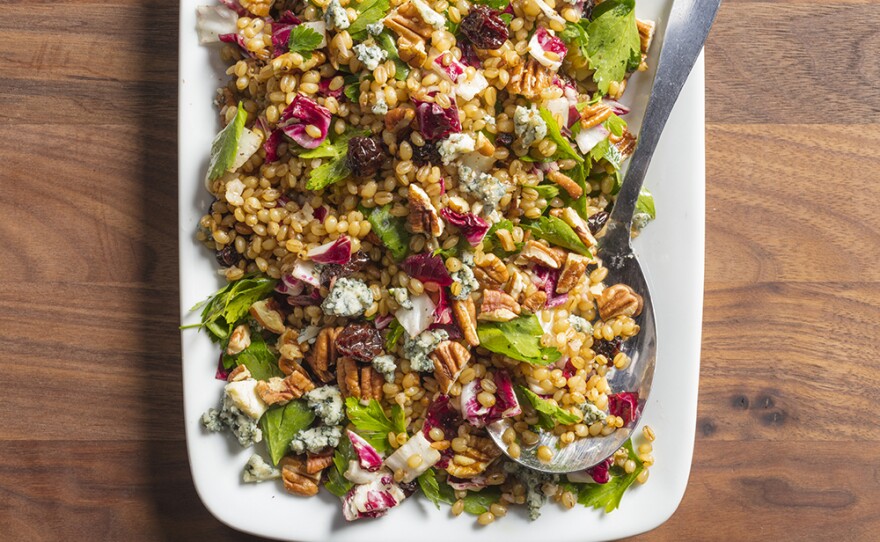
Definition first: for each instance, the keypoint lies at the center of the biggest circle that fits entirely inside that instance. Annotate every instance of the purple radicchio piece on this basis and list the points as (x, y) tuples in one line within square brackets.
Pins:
[(506, 404), (546, 279), (471, 226), (436, 122), (281, 32), (427, 268), (373, 499), (338, 252), (301, 113), (368, 457), (625, 405)]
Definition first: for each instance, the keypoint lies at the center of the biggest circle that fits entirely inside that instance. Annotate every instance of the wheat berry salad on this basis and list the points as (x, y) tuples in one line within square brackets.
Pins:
[(407, 201)]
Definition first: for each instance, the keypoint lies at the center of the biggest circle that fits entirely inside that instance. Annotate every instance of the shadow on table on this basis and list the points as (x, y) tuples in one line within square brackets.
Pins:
[(177, 508)]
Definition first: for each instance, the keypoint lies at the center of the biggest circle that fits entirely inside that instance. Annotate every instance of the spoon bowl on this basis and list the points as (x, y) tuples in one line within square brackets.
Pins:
[(687, 27)]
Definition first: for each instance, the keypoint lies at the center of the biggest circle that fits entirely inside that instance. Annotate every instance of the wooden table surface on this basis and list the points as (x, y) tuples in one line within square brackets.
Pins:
[(92, 446)]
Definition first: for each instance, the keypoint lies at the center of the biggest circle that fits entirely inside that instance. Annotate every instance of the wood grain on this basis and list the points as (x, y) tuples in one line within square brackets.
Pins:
[(91, 447)]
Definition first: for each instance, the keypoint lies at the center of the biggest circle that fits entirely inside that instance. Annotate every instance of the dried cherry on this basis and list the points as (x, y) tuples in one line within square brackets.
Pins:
[(359, 341), (609, 349), (365, 156), (484, 28), (597, 222), (228, 256), (426, 154)]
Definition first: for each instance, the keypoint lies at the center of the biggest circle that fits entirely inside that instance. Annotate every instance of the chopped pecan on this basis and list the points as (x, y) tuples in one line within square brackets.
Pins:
[(530, 79), (625, 144), (619, 300), (297, 479), (491, 271), (575, 268), (399, 118), (484, 146), (239, 373), (280, 391), (535, 302), (567, 183), (362, 382), (498, 306), (324, 355), (646, 34), (465, 312), (475, 459), (239, 340), (413, 53), (578, 224), (423, 217), (517, 283), (266, 313), (596, 114), (288, 345), (412, 31), (449, 359), (315, 463), (539, 253)]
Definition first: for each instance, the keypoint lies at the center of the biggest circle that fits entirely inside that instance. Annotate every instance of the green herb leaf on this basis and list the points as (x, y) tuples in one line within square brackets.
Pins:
[(369, 12), (337, 483), (223, 310), (547, 191), (257, 357), (430, 487), (303, 40), (494, 4), (476, 503), (518, 339), (645, 203), (506, 17), (280, 424), (493, 245), (395, 332), (549, 414), (563, 145), (225, 145), (614, 44), (390, 229), (608, 495), (335, 168), (557, 232), (615, 125), (372, 423), (352, 88), (386, 43), (575, 36)]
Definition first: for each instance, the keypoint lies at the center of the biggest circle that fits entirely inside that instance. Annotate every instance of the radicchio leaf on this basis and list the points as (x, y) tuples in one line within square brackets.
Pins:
[(222, 372), (300, 113), (368, 457), (600, 472), (372, 500), (472, 226), (271, 145), (281, 32), (338, 252), (546, 279), (235, 6), (436, 122), (236, 38), (324, 89), (427, 268), (625, 405), (506, 404), (441, 414)]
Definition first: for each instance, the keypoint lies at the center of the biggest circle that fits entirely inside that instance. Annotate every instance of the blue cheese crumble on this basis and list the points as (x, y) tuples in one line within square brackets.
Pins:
[(401, 297), (348, 297), (430, 16), (245, 428), (528, 125), (454, 146), (482, 186), (580, 324), (335, 16), (257, 470), (326, 403), (381, 106), (465, 277), (417, 349), (592, 414), (315, 439), (376, 28), (370, 55), (385, 365), (534, 482)]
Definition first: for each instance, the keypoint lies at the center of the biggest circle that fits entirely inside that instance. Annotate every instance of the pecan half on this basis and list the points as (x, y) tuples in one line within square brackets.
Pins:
[(239, 340), (297, 479), (517, 283), (491, 271), (315, 463), (567, 183), (475, 459), (266, 313), (465, 312), (535, 302), (280, 391), (596, 114), (626, 144), (449, 359), (498, 306), (362, 382), (412, 52), (288, 345), (412, 31), (423, 217), (575, 268), (238, 374), (646, 35), (619, 300), (324, 355), (542, 254), (529, 79)]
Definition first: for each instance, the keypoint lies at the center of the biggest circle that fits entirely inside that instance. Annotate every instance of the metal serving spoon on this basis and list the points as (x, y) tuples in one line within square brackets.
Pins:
[(686, 30)]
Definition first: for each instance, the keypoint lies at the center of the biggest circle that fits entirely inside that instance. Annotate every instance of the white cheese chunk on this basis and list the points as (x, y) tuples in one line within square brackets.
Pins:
[(243, 395)]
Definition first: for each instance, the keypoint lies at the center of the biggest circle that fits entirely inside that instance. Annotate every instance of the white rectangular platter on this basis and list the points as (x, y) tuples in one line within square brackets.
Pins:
[(670, 249)]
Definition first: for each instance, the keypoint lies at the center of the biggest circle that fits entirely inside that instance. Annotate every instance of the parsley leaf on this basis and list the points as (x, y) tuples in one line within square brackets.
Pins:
[(335, 168), (493, 245), (548, 413), (303, 40), (494, 4), (280, 424), (372, 423), (645, 203), (476, 503), (257, 357), (225, 145), (430, 487), (614, 43), (395, 332), (547, 191), (230, 304), (518, 339), (563, 145), (352, 88), (557, 232), (390, 229), (608, 495), (337, 483), (369, 12), (386, 43), (615, 125), (575, 36)]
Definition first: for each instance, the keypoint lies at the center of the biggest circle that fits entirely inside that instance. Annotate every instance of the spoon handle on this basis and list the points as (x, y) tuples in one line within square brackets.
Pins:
[(688, 27)]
